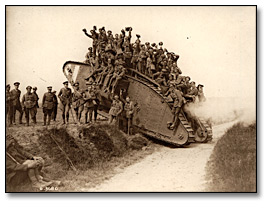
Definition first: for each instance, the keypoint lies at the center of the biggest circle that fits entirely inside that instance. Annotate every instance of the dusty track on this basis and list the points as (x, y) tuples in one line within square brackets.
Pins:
[(169, 169)]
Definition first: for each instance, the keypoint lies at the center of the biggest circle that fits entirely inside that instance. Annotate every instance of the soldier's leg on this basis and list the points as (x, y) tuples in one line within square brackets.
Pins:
[(49, 116), (44, 116), (55, 112), (27, 111), (80, 110), (86, 114), (21, 114), (14, 114), (32, 114), (10, 115), (67, 109), (110, 119), (63, 113), (91, 113), (95, 112)]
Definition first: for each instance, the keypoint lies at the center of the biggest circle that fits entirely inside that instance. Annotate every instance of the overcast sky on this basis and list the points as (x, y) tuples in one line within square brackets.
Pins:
[(216, 44)]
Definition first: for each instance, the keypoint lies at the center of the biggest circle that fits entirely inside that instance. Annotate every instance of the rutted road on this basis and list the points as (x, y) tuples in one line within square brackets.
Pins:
[(169, 169)]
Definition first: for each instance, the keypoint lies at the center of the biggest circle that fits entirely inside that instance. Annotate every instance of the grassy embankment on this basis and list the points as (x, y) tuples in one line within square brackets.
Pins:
[(96, 151), (232, 165)]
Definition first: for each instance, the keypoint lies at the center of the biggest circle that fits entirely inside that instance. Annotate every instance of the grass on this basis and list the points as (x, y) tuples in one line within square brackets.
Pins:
[(232, 165), (97, 151)]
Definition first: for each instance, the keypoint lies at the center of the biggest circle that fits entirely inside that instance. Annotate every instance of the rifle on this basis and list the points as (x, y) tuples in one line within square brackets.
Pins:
[(64, 153)]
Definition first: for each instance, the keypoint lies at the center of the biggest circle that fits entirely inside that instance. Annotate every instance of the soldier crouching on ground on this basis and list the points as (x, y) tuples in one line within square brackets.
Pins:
[(16, 104), (21, 165), (29, 105), (77, 102), (65, 96), (115, 110), (48, 105)]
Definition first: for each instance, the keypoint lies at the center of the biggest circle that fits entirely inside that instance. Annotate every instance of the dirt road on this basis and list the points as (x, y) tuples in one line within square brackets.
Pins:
[(169, 169)]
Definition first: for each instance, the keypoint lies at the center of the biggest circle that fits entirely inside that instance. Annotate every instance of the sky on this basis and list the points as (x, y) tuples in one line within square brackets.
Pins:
[(217, 45)]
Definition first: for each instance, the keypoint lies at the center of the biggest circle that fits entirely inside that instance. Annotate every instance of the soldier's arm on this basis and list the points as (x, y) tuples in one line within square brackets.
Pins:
[(43, 100), (11, 166), (23, 101), (60, 93)]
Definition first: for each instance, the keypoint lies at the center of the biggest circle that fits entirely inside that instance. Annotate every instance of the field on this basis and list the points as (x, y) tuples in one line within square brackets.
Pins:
[(232, 165)]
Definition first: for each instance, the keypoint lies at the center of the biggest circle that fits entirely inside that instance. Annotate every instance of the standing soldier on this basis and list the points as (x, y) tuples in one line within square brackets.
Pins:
[(55, 108), (179, 100), (48, 105), (65, 96), (77, 101), (115, 110), (16, 105), (29, 105), (129, 111), (201, 96), (92, 101), (9, 109), (37, 98)]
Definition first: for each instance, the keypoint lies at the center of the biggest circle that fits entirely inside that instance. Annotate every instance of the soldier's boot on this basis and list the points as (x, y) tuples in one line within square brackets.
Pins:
[(44, 120)]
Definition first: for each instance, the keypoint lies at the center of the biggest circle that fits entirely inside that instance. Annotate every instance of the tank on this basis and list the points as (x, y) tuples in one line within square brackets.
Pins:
[(153, 110)]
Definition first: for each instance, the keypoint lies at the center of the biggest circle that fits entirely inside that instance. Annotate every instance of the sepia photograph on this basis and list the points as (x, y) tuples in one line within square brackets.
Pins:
[(131, 99)]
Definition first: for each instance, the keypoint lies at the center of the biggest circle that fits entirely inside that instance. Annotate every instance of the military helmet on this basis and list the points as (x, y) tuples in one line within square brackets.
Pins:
[(16, 83), (28, 87)]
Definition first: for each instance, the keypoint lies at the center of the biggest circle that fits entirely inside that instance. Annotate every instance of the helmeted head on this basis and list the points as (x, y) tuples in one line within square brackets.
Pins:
[(65, 84), (16, 85), (28, 89), (49, 88), (116, 97), (35, 89), (200, 87)]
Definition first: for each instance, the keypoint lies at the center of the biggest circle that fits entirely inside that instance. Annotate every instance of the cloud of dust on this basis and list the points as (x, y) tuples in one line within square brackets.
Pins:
[(222, 110)]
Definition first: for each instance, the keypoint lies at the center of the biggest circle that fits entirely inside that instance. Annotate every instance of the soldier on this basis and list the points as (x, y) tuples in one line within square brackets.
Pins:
[(65, 96), (48, 105), (55, 106), (129, 111), (118, 73), (16, 104), (110, 70), (9, 100), (192, 92), (37, 98), (91, 98), (115, 110), (29, 104), (200, 94), (94, 36), (77, 101), (178, 99), (21, 164)]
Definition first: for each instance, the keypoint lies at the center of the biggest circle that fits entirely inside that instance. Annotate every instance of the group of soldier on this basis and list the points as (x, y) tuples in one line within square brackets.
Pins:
[(110, 55), (29, 104)]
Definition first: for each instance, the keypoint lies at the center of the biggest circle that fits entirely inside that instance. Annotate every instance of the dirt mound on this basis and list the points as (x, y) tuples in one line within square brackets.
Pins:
[(88, 146)]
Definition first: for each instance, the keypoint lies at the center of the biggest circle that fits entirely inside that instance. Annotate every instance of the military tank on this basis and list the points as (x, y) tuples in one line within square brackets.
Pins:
[(153, 109)]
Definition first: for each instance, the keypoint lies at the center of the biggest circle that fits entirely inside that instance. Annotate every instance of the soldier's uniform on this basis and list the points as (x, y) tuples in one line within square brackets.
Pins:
[(29, 104), (129, 111), (37, 98), (55, 108), (115, 110), (92, 99), (48, 105), (18, 167), (16, 104), (178, 99), (65, 96), (77, 102), (9, 100)]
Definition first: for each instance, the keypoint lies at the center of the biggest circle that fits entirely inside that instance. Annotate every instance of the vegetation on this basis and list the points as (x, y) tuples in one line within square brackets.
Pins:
[(232, 165)]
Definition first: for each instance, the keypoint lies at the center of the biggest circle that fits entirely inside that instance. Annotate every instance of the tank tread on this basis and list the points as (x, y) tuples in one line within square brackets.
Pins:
[(208, 128)]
